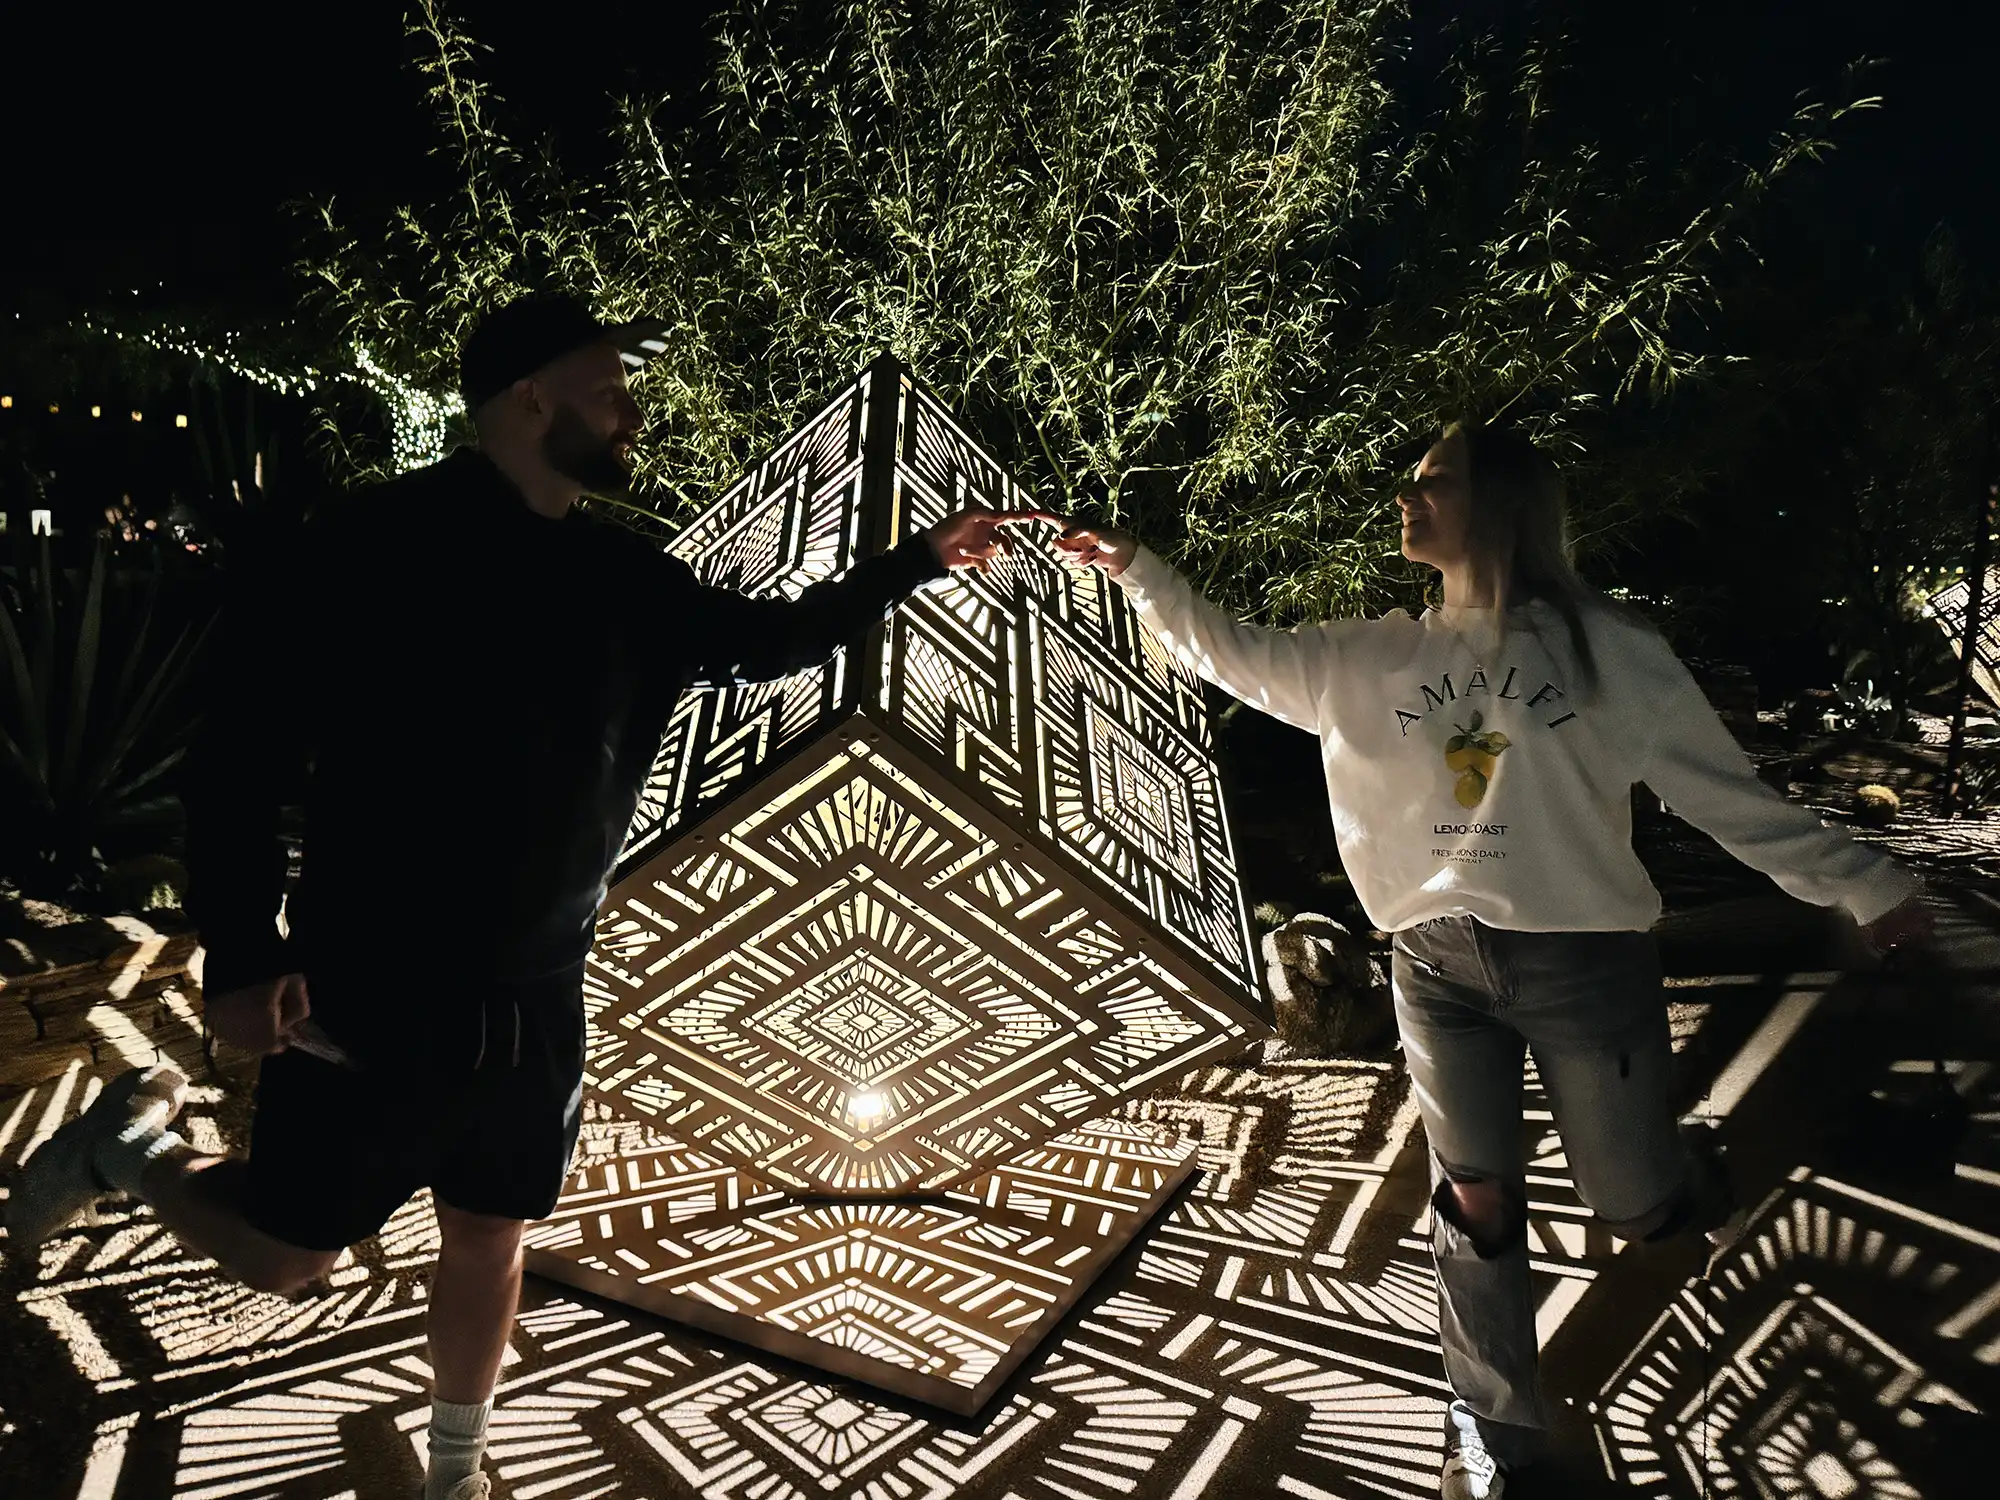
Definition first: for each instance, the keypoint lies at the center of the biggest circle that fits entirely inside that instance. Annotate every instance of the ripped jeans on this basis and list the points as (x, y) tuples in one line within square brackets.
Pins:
[(1589, 1006)]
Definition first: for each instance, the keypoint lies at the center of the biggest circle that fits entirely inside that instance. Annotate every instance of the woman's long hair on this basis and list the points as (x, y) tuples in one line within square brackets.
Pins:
[(1517, 532)]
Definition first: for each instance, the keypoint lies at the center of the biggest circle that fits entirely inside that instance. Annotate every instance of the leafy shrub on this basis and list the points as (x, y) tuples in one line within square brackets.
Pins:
[(95, 713)]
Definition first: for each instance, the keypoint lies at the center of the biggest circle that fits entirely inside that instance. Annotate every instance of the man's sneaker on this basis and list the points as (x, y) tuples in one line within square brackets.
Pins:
[(61, 1179), (472, 1487), (1470, 1473)]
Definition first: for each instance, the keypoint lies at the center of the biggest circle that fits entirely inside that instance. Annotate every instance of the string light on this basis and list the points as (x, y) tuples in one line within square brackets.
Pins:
[(419, 422), (180, 419), (6, 401), (182, 340), (97, 411), (136, 416)]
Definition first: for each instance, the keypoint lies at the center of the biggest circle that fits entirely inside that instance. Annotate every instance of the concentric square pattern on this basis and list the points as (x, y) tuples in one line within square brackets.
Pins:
[(1043, 689), (938, 1300), (887, 924), (863, 985)]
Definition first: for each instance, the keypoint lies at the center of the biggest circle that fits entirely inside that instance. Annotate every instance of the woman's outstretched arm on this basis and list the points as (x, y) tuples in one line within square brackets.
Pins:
[(1698, 770), (1278, 671)]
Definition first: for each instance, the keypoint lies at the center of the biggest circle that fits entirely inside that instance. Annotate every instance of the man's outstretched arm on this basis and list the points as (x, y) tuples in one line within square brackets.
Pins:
[(734, 638)]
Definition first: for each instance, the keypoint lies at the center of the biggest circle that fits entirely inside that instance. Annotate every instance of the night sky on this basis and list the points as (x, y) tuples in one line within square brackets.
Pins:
[(165, 144), (156, 143)]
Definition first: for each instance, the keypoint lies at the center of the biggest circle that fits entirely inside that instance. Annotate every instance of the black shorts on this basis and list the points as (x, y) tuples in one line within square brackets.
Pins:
[(334, 1151)]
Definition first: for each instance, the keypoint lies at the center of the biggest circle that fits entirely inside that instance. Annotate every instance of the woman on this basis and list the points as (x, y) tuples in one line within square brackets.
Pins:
[(1480, 761)]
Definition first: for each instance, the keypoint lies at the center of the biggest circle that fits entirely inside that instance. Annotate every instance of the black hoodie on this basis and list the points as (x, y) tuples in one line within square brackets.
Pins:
[(466, 698)]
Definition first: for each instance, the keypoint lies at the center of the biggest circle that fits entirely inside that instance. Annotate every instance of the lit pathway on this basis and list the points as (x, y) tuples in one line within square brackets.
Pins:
[(1276, 1336)]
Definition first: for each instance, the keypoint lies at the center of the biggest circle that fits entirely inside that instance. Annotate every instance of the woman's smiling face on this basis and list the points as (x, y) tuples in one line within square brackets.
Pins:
[(1437, 506)]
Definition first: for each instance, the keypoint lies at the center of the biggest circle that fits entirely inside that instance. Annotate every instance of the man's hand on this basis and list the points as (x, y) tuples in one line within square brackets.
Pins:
[(257, 1017), (973, 537), (1102, 547), (1907, 926)]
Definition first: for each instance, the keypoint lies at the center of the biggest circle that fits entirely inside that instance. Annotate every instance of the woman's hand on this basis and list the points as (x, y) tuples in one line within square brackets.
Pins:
[(1102, 547)]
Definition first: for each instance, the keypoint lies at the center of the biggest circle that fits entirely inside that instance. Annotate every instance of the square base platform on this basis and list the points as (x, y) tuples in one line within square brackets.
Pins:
[(939, 1298)]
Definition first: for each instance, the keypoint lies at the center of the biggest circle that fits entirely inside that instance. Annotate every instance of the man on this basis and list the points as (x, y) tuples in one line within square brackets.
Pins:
[(469, 678)]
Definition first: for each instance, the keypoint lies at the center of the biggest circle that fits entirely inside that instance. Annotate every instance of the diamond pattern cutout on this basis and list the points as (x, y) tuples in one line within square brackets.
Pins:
[(938, 1300), (886, 935), (826, 994)]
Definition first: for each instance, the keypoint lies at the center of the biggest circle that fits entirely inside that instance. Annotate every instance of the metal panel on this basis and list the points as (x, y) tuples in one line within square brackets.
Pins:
[(878, 955), (851, 982), (1948, 607), (936, 1299), (793, 520), (1043, 690)]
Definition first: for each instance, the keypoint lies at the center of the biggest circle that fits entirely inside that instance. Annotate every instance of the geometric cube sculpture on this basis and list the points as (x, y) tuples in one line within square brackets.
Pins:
[(897, 932), (938, 1299), (886, 923), (1949, 606)]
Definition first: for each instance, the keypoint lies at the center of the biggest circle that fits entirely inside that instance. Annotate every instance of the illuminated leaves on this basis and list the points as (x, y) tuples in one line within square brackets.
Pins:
[(1193, 266)]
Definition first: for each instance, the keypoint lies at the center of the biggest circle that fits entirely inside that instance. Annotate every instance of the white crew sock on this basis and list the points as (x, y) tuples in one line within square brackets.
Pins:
[(121, 1161), (458, 1442)]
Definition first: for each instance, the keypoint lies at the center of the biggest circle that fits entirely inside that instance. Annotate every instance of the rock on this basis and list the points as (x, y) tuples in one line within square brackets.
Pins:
[(1329, 993), (60, 987), (1776, 774), (1320, 949), (1876, 806)]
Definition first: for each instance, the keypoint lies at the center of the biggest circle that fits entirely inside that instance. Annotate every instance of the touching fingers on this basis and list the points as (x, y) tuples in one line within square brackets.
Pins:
[(979, 535)]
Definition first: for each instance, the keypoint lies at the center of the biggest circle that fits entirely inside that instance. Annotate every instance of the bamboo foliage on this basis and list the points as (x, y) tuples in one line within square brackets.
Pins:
[(1193, 266)]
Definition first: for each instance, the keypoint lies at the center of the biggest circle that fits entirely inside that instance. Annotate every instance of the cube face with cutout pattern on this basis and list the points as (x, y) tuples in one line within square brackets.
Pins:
[(889, 922)]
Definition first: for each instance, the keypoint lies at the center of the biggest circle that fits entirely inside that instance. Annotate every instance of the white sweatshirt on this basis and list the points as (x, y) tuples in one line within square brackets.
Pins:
[(1474, 775)]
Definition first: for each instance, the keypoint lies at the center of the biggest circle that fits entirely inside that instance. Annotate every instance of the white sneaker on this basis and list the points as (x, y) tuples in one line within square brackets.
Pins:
[(1470, 1473), (60, 1180), (475, 1486)]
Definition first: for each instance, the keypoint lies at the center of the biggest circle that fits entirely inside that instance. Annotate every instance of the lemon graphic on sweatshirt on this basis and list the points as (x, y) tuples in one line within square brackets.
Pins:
[(1472, 753)]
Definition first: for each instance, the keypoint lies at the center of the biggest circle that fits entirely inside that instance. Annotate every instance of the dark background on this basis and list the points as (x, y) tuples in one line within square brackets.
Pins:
[(151, 145), (165, 145), (161, 157), (156, 155)]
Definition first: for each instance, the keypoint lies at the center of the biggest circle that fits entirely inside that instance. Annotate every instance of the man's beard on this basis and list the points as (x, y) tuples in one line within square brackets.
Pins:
[(575, 452)]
